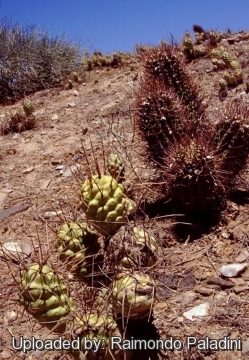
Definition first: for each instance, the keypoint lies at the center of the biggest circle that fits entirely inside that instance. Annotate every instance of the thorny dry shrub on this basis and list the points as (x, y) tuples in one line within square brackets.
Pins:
[(30, 60)]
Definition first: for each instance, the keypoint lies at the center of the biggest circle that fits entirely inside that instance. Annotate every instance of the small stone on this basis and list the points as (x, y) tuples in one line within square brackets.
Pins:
[(197, 312), (238, 281), (187, 282), (11, 246), (10, 315), (170, 281), (76, 93), (55, 117), (220, 282), (69, 172), (225, 235), (239, 289), (28, 170), (71, 104), (243, 256), (49, 214), (233, 270), (59, 167), (204, 291), (15, 251)]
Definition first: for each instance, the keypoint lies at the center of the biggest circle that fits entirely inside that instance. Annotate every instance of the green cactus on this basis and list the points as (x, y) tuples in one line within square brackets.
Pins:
[(226, 57), (79, 245), (133, 295), (233, 78), (214, 37), (216, 53), (28, 107), (115, 166), (15, 117), (44, 293), (199, 50), (218, 63), (200, 37), (234, 64), (98, 327), (104, 202), (140, 251), (222, 83), (188, 42)]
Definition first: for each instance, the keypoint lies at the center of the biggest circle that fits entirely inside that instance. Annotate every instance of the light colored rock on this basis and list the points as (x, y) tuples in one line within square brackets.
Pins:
[(9, 316), (71, 104), (59, 167), (10, 247), (69, 172), (49, 214), (232, 270), (55, 117), (225, 235), (76, 93), (197, 312), (28, 170), (14, 250)]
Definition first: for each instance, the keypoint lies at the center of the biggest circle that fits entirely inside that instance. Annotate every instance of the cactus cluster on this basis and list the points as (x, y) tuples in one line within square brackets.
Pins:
[(192, 50), (113, 260), (123, 292), (20, 121), (195, 164), (222, 59)]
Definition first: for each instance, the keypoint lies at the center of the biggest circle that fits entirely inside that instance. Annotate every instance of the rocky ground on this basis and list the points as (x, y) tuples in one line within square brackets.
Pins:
[(41, 173)]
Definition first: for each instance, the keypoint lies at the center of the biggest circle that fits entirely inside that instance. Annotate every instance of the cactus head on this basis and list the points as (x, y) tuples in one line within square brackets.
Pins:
[(44, 293), (192, 175), (133, 295), (140, 250), (78, 244), (233, 78), (15, 117), (222, 83), (28, 107), (115, 166), (232, 141), (104, 202), (98, 327)]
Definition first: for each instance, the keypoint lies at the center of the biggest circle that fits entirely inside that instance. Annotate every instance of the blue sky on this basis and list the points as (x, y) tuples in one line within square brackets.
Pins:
[(113, 25)]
